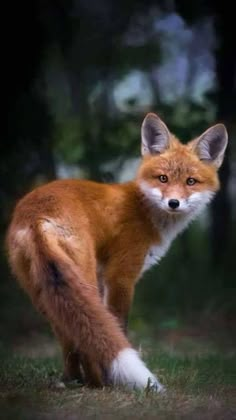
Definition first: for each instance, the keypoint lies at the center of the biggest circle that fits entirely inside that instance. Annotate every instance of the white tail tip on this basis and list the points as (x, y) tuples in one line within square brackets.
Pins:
[(128, 369)]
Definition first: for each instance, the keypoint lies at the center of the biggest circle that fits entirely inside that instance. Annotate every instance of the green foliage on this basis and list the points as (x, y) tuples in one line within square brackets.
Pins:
[(68, 142), (141, 57)]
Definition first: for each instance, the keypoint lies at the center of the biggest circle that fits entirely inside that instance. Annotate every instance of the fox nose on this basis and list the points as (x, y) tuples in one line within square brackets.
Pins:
[(173, 203)]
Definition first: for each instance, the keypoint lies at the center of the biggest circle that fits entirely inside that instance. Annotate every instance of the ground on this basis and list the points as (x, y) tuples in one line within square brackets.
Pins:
[(199, 374)]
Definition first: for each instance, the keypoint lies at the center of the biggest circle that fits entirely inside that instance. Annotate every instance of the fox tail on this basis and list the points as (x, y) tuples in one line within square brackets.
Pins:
[(74, 307)]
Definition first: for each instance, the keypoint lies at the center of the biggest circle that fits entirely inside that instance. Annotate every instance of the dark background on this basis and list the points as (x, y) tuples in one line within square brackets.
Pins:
[(79, 78)]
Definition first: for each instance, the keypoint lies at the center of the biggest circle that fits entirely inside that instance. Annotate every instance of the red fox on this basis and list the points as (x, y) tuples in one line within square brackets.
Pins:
[(78, 248)]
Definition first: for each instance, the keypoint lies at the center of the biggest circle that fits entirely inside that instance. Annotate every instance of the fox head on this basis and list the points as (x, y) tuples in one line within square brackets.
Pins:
[(179, 178)]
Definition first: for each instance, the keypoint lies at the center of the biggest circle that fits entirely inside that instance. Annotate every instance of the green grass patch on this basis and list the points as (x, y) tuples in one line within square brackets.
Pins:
[(198, 386)]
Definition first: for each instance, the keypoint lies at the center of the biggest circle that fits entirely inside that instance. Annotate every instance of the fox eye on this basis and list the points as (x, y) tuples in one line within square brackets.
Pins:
[(191, 181), (163, 178)]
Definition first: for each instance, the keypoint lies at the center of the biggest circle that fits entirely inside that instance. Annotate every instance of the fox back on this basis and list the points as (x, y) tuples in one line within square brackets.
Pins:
[(78, 248)]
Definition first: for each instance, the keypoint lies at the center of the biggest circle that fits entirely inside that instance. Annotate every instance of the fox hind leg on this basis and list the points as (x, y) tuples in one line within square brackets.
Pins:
[(71, 359)]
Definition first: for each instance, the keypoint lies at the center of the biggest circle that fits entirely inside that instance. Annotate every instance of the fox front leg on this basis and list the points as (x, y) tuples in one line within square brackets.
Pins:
[(118, 298)]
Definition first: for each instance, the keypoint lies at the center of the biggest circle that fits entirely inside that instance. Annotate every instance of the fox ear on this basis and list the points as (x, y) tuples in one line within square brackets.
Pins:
[(211, 145), (155, 135)]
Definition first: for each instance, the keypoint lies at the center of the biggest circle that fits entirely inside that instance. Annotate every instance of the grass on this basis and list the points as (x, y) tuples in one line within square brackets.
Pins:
[(202, 386)]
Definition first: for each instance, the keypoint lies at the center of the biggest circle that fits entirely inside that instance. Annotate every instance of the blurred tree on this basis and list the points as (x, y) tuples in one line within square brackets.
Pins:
[(225, 99), (96, 58), (225, 56), (25, 148)]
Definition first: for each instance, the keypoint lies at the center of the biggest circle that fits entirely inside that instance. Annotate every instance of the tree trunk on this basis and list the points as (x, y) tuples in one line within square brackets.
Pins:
[(226, 99)]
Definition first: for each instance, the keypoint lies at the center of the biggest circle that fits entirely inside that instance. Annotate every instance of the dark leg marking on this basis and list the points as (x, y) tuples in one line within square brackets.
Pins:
[(55, 276)]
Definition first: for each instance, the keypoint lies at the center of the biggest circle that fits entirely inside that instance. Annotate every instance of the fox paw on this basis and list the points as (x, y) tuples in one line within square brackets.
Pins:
[(154, 386)]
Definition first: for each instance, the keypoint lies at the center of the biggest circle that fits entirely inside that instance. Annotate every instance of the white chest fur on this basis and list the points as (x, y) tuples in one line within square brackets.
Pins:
[(168, 234), (154, 254)]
